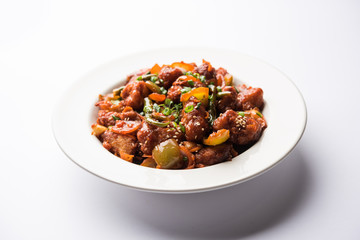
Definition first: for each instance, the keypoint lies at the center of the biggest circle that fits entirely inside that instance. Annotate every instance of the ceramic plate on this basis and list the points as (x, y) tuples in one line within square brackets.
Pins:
[(284, 111)]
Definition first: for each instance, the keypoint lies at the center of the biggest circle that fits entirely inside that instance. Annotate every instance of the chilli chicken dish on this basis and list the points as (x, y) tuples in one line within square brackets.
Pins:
[(179, 116)]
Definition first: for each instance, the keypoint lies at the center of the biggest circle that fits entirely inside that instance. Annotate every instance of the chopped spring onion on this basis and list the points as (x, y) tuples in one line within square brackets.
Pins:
[(146, 77), (166, 111), (156, 107), (195, 75), (186, 89), (241, 114), (212, 107), (163, 90), (117, 91), (182, 128), (191, 83), (198, 105), (115, 102), (115, 117), (222, 94), (178, 106), (168, 102), (154, 79), (189, 108)]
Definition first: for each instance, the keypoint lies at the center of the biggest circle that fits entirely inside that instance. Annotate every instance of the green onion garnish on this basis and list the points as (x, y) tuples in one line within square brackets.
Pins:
[(153, 79), (163, 90), (198, 105), (182, 128), (191, 83), (222, 94), (195, 75), (168, 102), (189, 108), (178, 106), (166, 111), (156, 107), (147, 109), (259, 114), (115, 117), (186, 89), (116, 102), (241, 114)]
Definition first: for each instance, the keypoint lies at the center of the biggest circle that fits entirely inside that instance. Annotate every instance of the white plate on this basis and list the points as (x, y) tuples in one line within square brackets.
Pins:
[(284, 111)]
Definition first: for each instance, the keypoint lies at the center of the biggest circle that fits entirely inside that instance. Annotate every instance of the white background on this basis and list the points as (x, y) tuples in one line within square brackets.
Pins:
[(47, 45)]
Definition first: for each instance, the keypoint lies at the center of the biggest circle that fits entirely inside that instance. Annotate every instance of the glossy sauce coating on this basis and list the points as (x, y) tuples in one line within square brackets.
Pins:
[(193, 112)]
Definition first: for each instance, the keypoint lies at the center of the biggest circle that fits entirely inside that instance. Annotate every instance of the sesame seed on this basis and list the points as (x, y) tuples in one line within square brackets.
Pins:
[(240, 122)]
